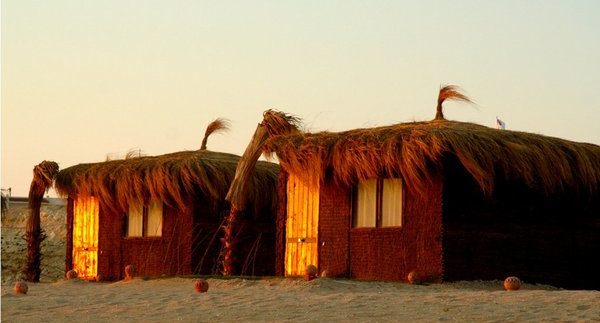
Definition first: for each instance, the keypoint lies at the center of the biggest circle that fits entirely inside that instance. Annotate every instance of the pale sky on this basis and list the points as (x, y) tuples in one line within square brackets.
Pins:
[(85, 79)]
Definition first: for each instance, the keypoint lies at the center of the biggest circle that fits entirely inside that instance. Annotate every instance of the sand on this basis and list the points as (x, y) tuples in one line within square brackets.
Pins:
[(280, 299)]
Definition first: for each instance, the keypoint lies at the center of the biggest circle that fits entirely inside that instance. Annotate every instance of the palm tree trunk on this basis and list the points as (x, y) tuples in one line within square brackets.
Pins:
[(43, 175), (237, 198), (274, 123)]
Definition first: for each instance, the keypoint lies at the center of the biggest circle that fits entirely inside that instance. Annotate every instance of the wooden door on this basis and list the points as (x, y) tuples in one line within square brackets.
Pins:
[(85, 237), (301, 248)]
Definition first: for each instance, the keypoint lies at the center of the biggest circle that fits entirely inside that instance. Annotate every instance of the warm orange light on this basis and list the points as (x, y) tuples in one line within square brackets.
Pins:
[(301, 226), (85, 237)]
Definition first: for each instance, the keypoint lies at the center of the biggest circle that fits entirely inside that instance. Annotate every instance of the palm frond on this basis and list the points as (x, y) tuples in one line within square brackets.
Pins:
[(449, 92), (219, 125)]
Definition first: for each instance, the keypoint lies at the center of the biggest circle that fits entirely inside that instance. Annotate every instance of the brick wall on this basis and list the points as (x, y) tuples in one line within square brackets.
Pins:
[(190, 243), (519, 231), (381, 253), (281, 216), (69, 242), (392, 253), (109, 244), (152, 256), (335, 209)]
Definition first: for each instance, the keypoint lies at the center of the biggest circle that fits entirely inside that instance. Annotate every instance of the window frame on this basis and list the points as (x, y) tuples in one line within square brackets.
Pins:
[(378, 204), (144, 229)]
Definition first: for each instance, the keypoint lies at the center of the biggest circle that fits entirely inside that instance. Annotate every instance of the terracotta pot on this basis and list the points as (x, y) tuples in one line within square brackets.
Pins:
[(201, 285), (414, 278), (71, 274), (21, 287), (129, 272), (512, 283), (310, 273)]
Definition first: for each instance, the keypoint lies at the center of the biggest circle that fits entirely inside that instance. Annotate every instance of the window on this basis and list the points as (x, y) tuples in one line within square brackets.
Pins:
[(378, 203), (144, 220)]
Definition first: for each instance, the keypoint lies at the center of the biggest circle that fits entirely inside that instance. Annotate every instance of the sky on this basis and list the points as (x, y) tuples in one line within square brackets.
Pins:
[(83, 80)]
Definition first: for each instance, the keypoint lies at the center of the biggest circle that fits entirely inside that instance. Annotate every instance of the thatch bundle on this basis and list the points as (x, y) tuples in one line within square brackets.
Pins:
[(219, 125), (415, 151), (173, 178)]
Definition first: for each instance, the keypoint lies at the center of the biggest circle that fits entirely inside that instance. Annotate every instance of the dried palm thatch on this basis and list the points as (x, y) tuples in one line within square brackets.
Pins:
[(219, 125), (449, 92), (173, 178), (415, 152), (43, 175)]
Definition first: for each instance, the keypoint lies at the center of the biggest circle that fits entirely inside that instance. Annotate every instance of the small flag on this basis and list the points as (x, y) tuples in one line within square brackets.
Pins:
[(500, 124)]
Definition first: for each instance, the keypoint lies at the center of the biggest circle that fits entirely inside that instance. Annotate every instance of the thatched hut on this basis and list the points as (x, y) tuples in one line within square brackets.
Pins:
[(164, 215), (449, 200)]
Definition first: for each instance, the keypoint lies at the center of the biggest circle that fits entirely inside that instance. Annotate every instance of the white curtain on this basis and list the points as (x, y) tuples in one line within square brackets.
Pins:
[(135, 219), (155, 216), (366, 204), (391, 205)]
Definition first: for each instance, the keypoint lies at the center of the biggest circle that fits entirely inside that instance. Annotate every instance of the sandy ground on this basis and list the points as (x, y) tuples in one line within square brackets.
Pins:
[(279, 299), (266, 299)]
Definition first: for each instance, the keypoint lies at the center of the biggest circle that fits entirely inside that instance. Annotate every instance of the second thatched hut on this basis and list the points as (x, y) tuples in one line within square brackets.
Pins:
[(164, 215)]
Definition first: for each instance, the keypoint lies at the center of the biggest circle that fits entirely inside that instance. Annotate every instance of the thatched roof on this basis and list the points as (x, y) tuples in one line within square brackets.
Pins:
[(173, 178), (415, 151)]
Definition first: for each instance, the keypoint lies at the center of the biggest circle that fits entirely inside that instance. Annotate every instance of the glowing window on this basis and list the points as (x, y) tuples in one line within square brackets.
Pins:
[(365, 204), (144, 220), (391, 203), (377, 203), (154, 227)]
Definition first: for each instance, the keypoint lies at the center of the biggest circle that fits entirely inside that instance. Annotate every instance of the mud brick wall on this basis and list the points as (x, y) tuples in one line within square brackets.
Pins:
[(335, 216), (541, 239), (69, 238), (110, 234), (152, 256), (281, 217), (392, 253)]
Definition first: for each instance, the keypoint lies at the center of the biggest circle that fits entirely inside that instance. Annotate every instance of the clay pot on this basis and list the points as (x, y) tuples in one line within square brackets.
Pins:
[(99, 278), (129, 272), (201, 285), (21, 287), (71, 274), (512, 283), (324, 274), (414, 278), (310, 273)]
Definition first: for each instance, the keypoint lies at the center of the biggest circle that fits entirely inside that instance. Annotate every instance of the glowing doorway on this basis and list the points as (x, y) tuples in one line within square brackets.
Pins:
[(85, 237)]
